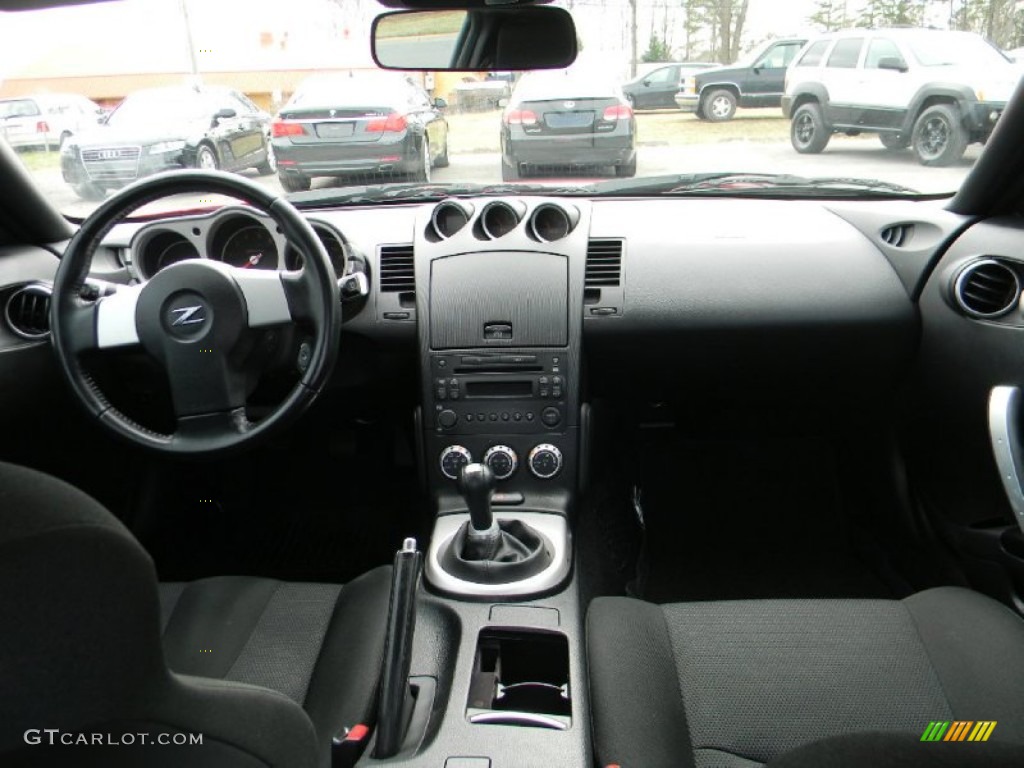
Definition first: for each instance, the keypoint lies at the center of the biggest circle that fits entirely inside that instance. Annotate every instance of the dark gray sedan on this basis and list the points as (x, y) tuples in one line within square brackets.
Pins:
[(557, 122), (338, 125)]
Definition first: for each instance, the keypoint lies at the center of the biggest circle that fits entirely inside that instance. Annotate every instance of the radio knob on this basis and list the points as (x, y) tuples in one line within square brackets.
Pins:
[(453, 459), (447, 419), (545, 461), (502, 460)]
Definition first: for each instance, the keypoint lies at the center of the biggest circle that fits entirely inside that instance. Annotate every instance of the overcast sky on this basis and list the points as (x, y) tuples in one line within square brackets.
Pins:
[(224, 28)]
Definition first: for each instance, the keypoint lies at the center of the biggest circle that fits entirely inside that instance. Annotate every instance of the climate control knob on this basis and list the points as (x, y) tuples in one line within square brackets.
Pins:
[(545, 461), (502, 460), (453, 459)]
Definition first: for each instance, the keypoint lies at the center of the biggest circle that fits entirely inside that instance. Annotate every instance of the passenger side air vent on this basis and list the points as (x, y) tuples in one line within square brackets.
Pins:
[(604, 263), (397, 269), (987, 288), (898, 235), (27, 311)]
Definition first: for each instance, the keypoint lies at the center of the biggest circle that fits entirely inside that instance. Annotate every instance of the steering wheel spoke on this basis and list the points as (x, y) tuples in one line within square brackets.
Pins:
[(115, 318), (267, 300)]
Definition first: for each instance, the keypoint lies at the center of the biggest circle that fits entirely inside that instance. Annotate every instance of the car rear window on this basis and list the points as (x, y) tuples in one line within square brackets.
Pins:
[(812, 56), (846, 53), (19, 108)]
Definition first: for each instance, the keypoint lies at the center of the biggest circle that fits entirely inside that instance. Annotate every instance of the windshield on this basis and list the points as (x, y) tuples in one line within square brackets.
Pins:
[(959, 51), (18, 108), (288, 95)]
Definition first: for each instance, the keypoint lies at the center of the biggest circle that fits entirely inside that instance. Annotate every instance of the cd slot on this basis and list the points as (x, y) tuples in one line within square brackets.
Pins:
[(499, 368)]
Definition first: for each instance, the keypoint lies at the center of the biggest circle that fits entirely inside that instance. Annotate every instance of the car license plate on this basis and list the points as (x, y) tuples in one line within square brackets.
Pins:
[(569, 119), (334, 130)]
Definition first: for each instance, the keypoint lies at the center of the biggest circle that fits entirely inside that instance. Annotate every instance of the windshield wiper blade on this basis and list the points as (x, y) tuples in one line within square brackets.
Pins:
[(754, 185)]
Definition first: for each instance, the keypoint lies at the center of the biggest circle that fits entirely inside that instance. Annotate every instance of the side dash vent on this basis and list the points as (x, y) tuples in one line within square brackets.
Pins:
[(27, 311), (987, 288)]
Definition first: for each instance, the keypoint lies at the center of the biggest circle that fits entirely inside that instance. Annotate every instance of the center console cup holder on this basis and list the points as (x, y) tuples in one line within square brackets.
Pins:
[(521, 678)]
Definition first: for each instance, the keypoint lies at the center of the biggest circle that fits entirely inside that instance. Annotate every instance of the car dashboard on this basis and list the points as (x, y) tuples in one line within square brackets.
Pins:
[(516, 311)]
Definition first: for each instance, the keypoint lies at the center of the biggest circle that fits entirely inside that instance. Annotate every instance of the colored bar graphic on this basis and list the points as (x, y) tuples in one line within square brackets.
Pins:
[(935, 730), (958, 730)]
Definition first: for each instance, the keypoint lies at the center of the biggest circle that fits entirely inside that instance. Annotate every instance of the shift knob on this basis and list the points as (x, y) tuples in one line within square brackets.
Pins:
[(476, 484)]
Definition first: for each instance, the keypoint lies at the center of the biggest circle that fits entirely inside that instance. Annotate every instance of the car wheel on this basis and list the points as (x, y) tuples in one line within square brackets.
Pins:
[(269, 165), (442, 160), (939, 138), (808, 131), (719, 106), (894, 140), (89, 191), (293, 183), (510, 172), (206, 158), (626, 170)]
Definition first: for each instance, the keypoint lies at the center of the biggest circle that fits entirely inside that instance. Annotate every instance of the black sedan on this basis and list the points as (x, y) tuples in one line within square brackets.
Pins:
[(657, 89), (379, 124), (160, 129), (557, 123)]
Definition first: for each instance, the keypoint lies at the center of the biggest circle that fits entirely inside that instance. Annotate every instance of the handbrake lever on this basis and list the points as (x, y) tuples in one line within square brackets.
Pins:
[(396, 701)]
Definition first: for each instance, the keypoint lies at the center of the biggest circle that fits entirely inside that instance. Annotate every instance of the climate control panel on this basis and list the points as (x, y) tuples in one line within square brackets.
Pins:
[(544, 461)]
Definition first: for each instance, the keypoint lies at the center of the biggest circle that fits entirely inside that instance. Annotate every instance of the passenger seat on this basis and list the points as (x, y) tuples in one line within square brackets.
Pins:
[(801, 683)]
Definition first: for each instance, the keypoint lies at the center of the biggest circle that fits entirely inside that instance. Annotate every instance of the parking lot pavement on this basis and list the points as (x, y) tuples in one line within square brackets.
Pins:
[(845, 157)]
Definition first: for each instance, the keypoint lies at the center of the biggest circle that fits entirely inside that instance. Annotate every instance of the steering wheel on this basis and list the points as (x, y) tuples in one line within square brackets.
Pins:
[(194, 318)]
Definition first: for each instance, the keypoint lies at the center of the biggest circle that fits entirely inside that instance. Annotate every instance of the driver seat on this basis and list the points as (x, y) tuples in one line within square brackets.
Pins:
[(266, 671)]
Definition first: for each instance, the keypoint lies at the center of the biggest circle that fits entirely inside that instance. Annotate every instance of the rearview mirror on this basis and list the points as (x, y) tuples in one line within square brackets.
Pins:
[(224, 114), (475, 40)]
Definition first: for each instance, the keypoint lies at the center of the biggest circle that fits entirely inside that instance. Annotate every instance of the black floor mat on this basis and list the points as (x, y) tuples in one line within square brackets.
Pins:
[(765, 519)]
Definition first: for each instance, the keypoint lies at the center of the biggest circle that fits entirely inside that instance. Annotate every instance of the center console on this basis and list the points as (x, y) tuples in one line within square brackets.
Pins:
[(498, 645), (500, 322)]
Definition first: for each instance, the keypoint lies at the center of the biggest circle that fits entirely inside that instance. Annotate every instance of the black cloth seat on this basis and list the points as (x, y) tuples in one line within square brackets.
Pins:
[(266, 671), (742, 684)]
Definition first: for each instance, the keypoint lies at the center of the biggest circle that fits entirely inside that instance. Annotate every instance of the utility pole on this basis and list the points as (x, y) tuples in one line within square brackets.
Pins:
[(188, 39), (632, 37)]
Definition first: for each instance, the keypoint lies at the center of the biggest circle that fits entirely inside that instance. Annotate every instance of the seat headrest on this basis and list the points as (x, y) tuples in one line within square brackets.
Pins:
[(79, 599)]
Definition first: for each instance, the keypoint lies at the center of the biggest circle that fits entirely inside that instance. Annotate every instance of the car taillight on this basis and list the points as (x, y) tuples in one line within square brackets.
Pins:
[(280, 128), (620, 112), (393, 123), (690, 85), (521, 117), (42, 127)]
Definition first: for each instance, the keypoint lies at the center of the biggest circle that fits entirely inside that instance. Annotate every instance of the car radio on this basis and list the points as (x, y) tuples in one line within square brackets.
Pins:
[(502, 391)]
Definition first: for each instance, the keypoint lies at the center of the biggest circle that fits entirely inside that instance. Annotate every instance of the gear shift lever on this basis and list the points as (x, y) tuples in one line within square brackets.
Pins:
[(476, 484), (486, 551)]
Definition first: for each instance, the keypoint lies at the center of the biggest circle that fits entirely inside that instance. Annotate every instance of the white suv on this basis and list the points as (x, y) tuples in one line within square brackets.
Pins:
[(46, 120), (934, 90)]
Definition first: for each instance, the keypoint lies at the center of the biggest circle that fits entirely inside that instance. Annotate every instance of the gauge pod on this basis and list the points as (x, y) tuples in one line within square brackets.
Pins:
[(551, 222), (449, 217), (499, 218)]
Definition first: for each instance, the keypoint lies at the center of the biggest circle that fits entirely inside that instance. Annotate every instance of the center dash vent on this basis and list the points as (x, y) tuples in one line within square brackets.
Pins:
[(28, 311), (987, 288), (604, 263), (397, 269), (897, 235)]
